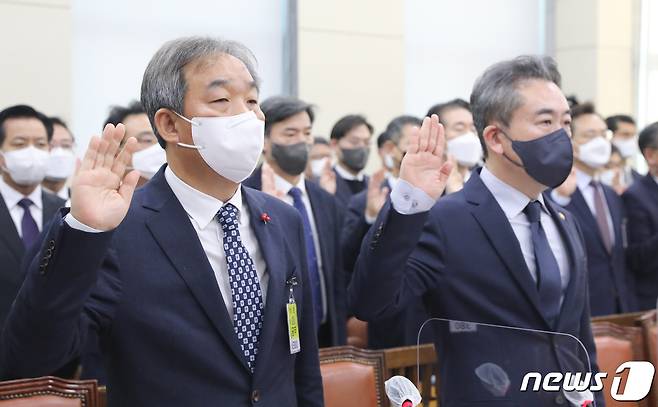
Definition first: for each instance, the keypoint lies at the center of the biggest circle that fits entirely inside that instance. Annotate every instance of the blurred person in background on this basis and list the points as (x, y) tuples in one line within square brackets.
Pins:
[(320, 165), (62, 161), (350, 141), (624, 137)]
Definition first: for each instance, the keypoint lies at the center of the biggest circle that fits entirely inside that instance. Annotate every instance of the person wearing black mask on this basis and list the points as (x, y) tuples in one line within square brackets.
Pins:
[(350, 139), (496, 252), (288, 140)]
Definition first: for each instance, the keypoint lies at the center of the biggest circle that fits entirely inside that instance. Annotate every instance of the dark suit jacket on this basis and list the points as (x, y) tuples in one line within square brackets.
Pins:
[(397, 330), (641, 201), (343, 191), (610, 285), (465, 259), (148, 290), (12, 250), (328, 221)]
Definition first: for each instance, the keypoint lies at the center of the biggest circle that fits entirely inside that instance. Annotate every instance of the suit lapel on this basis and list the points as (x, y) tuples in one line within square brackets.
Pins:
[(170, 225), (9, 233), (499, 232), (51, 204), (571, 243), (270, 240), (586, 215)]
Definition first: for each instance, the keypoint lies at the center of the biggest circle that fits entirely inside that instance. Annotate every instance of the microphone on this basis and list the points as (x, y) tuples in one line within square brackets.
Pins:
[(402, 392)]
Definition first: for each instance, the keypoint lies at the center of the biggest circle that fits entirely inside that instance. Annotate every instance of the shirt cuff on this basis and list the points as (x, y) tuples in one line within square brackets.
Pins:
[(77, 225), (559, 199), (409, 200)]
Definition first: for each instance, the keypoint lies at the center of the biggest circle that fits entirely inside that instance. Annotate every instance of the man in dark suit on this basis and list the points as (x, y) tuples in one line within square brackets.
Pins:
[(288, 139), (600, 212), (25, 206), (497, 251), (350, 140), (400, 329), (197, 287), (641, 201)]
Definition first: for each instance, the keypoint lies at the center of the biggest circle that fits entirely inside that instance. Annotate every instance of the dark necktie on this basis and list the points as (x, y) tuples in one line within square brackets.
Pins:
[(311, 256), (29, 228), (245, 287), (601, 219), (548, 272)]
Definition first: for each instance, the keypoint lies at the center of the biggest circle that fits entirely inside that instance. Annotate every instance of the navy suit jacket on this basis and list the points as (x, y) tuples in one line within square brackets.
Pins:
[(397, 330), (465, 259), (641, 201), (610, 285), (328, 221), (12, 250), (148, 290), (343, 191)]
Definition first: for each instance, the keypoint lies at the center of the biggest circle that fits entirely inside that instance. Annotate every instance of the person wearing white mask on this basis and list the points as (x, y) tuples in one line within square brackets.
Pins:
[(24, 206), (624, 137), (192, 270), (320, 165), (600, 212), (62, 160), (463, 145)]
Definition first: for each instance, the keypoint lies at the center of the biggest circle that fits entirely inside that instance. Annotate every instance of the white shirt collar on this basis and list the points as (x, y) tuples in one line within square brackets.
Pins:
[(511, 200), (348, 175), (583, 180), (199, 206), (12, 197), (284, 186)]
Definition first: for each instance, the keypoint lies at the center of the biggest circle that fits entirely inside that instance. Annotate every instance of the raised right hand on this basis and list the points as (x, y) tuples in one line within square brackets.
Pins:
[(101, 191), (376, 195)]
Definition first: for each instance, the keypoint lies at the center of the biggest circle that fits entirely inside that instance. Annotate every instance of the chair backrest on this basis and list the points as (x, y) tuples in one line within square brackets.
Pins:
[(49, 392), (615, 345), (357, 333), (352, 376), (649, 333), (403, 362), (628, 319)]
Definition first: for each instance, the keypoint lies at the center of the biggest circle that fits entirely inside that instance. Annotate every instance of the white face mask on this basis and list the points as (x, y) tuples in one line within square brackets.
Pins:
[(149, 160), (466, 149), (627, 147), (389, 162), (596, 152), (61, 163), (318, 165), (607, 176), (231, 145), (26, 166)]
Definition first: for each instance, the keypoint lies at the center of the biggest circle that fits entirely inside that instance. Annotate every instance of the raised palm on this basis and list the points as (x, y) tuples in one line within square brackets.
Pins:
[(101, 191), (425, 166)]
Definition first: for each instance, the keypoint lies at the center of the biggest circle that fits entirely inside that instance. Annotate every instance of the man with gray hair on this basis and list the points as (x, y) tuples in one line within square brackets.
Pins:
[(498, 252), (197, 287)]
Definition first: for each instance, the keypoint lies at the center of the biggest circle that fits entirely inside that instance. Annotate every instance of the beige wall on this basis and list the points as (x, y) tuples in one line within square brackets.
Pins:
[(595, 48), (36, 55), (351, 60)]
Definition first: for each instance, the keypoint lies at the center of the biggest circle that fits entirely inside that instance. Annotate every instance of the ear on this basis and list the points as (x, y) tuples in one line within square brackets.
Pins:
[(493, 139), (168, 126)]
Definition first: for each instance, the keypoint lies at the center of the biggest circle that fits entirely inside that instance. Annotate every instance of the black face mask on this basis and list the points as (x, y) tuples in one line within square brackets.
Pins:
[(291, 159), (548, 159), (355, 158)]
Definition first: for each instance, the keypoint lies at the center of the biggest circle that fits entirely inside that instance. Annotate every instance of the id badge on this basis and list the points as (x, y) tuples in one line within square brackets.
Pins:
[(293, 327)]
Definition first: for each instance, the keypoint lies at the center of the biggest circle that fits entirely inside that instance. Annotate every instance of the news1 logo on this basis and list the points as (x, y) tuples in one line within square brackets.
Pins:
[(638, 383)]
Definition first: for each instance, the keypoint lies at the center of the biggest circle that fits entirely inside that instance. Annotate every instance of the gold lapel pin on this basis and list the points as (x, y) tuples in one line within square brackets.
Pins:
[(562, 216)]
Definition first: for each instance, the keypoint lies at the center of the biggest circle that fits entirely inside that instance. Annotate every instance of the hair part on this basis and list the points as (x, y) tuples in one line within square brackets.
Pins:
[(164, 84), (495, 95)]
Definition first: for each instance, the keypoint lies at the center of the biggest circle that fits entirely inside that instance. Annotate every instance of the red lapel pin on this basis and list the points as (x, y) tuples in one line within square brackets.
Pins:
[(265, 217)]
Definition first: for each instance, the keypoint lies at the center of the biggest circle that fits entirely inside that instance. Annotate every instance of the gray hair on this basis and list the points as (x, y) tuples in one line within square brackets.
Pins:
[(164, 86), (495, 96)]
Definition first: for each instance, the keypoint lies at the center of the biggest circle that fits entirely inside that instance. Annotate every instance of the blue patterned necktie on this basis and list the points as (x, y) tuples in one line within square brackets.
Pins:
[(29, 228), (548, 271), (311, 256), (245, 288)]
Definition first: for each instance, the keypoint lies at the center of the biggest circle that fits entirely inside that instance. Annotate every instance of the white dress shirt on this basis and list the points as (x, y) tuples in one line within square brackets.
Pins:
[(344, 174), (407, 199), (12, 197), (285, 186), (584, 185), (201, 209)]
